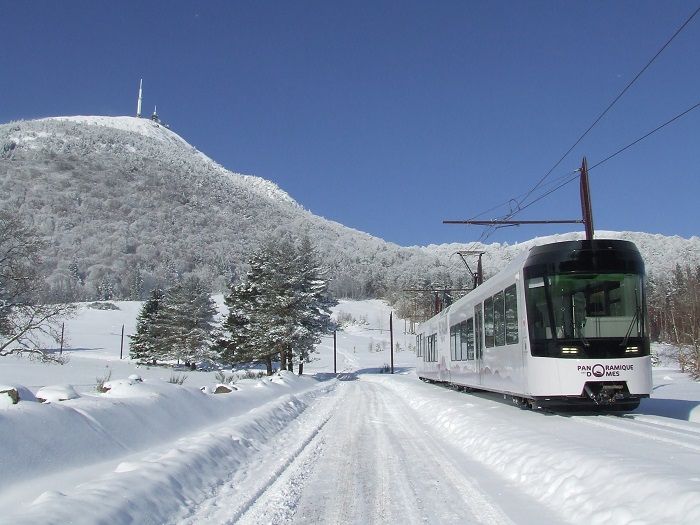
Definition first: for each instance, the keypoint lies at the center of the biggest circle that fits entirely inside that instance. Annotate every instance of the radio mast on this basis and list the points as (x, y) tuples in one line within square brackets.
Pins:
[(138, 105)]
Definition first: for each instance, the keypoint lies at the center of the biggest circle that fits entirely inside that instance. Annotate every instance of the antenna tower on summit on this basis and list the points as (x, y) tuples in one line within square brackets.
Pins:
[(138, 105)]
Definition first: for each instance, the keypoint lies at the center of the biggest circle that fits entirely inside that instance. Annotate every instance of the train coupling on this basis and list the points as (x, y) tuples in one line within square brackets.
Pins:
[(603, 393)]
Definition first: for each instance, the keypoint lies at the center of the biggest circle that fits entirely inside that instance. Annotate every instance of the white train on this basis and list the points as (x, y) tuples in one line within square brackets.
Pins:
[(564, 324)]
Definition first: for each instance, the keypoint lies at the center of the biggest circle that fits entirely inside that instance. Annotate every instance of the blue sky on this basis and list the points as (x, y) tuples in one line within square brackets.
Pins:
[(390, 117)]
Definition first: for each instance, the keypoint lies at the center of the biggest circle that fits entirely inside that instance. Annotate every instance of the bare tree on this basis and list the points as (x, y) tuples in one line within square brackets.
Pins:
[(674, 315), (26, 321)]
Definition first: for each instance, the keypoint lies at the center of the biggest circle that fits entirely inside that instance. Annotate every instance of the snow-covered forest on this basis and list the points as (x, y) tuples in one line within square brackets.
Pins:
[(128, 206)]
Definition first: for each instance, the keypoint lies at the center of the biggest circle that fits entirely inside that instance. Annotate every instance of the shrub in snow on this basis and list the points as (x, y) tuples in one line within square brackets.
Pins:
[(226, 379), (135, 378), (177, 379), (253, 374), (52, 394), (101, 388)]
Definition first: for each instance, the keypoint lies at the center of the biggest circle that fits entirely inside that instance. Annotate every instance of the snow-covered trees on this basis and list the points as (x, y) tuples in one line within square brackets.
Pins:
[(177, 325), (144, 341), (25, 320), (314, 303), (186, 322), (281, 307)]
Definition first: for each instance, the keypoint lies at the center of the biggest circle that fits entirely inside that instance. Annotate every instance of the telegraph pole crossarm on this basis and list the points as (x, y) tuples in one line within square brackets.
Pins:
[(586, 210)]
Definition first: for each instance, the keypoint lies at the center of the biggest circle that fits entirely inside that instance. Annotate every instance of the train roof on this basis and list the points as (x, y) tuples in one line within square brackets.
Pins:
[(560, 253), (573, 255)]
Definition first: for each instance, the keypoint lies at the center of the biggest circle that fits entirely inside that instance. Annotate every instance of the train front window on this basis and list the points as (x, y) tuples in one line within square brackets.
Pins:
[(574, 310)]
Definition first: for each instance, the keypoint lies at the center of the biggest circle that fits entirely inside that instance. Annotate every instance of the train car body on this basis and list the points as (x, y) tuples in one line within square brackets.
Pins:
[(563, 324)]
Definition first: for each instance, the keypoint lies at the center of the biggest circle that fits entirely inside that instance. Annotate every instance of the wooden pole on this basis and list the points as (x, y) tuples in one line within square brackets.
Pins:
[(121, 348), (63, 328), (391, 339), (335, 354)]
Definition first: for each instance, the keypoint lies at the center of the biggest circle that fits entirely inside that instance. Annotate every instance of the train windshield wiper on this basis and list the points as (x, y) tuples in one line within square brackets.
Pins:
[(579, 317), (635, 317)]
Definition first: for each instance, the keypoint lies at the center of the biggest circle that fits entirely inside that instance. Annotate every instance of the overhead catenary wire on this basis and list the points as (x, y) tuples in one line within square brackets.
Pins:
[(658, 128), (486, 233), (614, 101), (571, 177)]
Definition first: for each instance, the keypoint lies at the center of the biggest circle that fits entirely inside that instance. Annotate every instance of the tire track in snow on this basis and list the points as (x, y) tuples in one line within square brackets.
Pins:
[(645, 429), (380, 465), (237, 497)]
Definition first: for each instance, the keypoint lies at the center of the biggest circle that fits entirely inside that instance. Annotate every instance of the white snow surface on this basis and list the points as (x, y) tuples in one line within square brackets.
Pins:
[(359, 447)]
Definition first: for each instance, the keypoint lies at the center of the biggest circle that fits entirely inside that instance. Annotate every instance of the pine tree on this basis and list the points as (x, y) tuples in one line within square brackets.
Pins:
[(143, 343), (313, 303), (239, 346), (185, 324), (255, 321), (280, 309)]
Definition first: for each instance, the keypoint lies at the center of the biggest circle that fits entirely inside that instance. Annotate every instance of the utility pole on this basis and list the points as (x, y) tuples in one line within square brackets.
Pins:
[(63, 328), (335, 353), (391, 339), (121, 348)]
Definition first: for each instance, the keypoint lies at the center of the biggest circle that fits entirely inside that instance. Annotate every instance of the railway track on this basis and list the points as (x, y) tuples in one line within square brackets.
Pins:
[(685, 435)]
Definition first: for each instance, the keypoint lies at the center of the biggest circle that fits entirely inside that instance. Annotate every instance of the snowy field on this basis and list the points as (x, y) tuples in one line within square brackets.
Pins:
[(365, 447)]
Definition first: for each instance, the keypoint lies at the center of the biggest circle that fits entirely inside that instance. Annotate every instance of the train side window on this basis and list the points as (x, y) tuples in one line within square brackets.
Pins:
[(463, 340), (499, 319), (432, 347), (469, 333), (478, 330), (488, 322), (454, 342), (511, 305), (419, 345)]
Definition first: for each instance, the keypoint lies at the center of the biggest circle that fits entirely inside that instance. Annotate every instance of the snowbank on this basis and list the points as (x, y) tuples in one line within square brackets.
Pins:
[(49, 439), (560, 463)]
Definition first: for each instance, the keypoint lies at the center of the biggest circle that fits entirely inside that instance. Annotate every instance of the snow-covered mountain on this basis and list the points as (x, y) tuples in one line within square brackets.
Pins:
[(126, 204)]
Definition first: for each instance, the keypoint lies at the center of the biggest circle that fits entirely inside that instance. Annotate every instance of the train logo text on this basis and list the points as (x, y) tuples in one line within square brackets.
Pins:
[(599, 370)]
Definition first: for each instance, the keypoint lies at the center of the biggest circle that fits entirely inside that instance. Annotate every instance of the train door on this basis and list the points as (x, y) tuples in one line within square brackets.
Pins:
[(479, 340)]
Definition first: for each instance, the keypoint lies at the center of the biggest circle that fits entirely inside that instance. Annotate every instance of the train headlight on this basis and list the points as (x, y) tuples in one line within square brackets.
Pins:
[(569, 350), (632, 350)]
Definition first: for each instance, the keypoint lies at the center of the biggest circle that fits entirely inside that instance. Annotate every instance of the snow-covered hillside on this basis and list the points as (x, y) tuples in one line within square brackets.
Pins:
[(365, 447), (126, 204)]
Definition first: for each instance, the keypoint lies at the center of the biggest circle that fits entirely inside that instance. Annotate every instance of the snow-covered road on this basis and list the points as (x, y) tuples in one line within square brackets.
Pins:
[(361, 455), (380, 464), (384, 449)]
